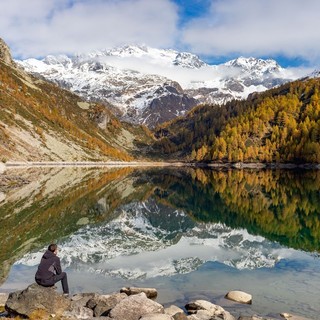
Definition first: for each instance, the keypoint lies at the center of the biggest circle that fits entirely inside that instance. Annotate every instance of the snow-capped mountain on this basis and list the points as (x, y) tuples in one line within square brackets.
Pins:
[(141, 243), (150, 86)]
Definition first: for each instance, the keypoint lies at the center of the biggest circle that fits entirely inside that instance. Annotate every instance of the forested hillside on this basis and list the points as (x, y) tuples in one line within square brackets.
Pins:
[(40, 121), (279, 125)]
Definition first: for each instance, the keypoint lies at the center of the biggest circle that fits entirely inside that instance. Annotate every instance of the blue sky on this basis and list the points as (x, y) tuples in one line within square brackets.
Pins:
[(216, 30), (190, 9)]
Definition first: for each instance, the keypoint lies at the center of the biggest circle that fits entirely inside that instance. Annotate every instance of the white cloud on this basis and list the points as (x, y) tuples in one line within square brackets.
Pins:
[(149, 65), (289, 28), (257, 27), (38, 27)]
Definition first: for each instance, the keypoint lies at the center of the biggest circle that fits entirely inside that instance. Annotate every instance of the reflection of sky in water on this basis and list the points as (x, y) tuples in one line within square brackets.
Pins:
[(292, 285), (134, 246), (201, 261)]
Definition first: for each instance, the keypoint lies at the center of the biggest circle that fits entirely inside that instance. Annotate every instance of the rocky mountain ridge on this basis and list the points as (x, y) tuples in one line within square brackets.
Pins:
[(150, 86)]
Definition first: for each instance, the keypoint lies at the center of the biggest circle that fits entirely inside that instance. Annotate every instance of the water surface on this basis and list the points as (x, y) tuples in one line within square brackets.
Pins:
[(190, 233)]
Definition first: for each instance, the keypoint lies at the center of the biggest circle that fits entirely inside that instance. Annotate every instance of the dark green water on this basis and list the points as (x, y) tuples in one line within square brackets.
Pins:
[(190, 233)]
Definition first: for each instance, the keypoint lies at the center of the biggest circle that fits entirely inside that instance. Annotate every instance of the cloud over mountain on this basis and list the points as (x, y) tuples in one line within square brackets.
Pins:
[(37, 28), (259, 28)]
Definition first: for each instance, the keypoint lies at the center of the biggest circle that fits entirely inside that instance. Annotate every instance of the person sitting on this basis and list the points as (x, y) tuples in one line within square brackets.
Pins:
[(49, 270)]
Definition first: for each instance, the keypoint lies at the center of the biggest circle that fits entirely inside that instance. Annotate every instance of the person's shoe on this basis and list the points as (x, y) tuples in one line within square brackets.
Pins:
[(66, 295)]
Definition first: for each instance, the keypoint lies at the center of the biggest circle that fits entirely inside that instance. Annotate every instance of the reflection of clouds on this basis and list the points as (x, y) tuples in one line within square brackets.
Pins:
[(277, 289), (132, 247), (132, 251)]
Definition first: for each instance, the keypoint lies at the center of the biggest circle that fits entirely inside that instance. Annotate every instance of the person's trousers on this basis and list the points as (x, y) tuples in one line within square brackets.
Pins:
[(64, 281), (58, 277)]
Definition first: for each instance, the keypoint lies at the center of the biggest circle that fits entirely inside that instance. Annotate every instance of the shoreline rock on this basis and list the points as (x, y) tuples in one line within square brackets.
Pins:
[(239, 296), (151, 293), (41, 303), (26, 302)]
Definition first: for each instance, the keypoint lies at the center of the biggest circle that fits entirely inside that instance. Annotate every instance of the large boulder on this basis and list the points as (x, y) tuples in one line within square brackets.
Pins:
[(37, 298), (205, 310), (134, 307), (151, 293), (239, 296), (102, 304)]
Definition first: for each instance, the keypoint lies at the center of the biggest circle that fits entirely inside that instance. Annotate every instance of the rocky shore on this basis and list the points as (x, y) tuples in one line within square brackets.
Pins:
[(39, 303)]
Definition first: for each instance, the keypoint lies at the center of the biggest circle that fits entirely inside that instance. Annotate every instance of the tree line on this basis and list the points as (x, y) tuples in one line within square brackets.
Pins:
[(279, 125)]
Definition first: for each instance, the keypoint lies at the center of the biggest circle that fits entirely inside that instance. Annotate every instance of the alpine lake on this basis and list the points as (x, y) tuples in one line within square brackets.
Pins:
[(190, 233)]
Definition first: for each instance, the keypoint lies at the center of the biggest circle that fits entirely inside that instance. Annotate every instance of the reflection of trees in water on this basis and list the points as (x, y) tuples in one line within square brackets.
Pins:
[(283, 206), (280, 205), (35, 220)]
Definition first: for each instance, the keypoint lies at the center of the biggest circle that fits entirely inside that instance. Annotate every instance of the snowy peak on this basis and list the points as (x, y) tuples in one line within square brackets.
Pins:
[(128, 51), (188, 60), (169, 58), (130, 79), (165, 56), (253, 64), (57, 60)]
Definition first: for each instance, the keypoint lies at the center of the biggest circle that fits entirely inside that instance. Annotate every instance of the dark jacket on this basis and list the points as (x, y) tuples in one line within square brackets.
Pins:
[(49, 266)]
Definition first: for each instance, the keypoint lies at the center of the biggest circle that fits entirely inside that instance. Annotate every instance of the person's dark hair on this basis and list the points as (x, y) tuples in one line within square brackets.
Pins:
[(52, 247)]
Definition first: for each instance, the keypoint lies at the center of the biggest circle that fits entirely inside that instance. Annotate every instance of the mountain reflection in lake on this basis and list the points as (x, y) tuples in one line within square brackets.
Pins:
[(190, 233)]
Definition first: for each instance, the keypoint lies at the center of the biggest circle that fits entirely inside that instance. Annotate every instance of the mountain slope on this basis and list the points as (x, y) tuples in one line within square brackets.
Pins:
[(40, 121), (151, 86), (280, 125)]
